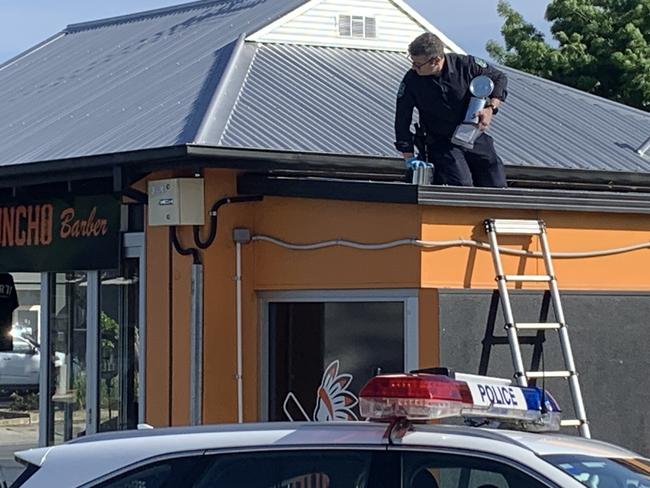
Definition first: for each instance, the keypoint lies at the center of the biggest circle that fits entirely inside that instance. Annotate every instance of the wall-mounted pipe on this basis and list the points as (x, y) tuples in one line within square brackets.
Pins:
[(214, 211), (240, 236), (196, 327), (196, 346), (197, 303), (240, 368)]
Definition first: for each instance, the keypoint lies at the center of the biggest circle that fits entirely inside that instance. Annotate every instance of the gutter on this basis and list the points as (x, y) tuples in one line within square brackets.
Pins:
[(295, 164), (446, 196)]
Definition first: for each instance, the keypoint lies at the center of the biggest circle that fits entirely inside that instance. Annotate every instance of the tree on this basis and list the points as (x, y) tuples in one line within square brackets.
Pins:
[(603, 47)]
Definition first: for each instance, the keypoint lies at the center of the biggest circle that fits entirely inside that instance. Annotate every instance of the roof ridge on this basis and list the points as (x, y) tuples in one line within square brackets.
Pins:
[(576, 90), (140, 15), (31, 50)]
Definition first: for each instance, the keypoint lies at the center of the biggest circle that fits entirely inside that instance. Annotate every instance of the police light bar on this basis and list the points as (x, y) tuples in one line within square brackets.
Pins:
[(423, 397)]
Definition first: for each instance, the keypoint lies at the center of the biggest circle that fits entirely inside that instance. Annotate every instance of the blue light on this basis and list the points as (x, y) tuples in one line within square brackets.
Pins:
[(534, 396)]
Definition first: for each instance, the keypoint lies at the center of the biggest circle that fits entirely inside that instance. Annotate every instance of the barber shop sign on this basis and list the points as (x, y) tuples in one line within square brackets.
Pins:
[(79, 233)]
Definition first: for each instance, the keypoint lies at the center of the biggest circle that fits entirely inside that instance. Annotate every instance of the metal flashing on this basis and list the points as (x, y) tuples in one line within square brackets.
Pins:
[(31, 50), (399, 192), (265, 159), (87, 166), (643, 148), (327, 189), (535, 199), (225, 96)]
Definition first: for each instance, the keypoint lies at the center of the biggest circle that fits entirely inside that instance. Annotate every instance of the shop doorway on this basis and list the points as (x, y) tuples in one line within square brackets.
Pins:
[(320, 348), (93, 330)]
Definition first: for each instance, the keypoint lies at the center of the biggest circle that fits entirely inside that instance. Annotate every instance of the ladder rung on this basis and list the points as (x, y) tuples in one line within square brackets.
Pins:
[(498, 341), (538, 326), (548, 374), (571, 423), (528, 278), (517, 227)]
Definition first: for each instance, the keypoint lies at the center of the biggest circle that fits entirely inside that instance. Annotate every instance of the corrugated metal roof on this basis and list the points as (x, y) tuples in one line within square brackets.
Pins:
[(133, 82), (332, 100), (156, 79)]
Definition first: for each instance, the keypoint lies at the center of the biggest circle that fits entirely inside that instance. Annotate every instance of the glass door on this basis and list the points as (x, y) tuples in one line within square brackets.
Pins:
[(67, 352), (92, 332), (119, 332)]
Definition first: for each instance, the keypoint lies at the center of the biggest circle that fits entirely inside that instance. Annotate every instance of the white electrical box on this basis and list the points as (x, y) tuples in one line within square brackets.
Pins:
[(176, 201)]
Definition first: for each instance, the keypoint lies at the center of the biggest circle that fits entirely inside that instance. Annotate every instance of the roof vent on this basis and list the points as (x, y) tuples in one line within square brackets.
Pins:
[(643, 148), (357, 26)]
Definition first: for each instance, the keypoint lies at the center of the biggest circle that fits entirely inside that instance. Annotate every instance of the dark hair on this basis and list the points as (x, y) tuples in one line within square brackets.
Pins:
[(427, 44)]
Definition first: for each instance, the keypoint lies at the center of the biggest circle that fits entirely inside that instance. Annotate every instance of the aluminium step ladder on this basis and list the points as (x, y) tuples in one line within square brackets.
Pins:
[(493, 228)]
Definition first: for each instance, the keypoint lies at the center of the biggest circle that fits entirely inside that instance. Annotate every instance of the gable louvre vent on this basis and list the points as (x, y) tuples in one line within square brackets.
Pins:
[(357, 26)]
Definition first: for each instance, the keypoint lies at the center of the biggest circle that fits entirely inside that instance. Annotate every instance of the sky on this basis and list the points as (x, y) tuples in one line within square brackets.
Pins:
[(469, 23)]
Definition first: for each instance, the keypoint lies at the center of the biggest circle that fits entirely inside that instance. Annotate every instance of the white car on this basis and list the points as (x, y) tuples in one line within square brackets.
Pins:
[(391, 451), (19, 369)]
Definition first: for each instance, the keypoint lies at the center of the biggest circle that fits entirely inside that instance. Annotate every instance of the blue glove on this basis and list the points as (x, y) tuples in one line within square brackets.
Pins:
[(413, 162)]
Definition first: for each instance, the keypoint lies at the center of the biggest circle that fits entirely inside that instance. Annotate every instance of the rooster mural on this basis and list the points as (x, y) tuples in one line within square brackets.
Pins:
[(333, 399)]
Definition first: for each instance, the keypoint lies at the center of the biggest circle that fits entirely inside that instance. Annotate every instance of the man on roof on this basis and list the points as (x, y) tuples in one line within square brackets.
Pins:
[(438, 86)]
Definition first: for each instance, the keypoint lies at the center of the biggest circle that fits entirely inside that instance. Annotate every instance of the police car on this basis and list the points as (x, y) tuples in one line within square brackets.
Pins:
[(508, 442)]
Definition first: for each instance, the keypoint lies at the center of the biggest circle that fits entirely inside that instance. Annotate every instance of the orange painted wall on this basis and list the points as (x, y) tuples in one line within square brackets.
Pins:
[(465, 267), (264, 267), (157, 328), (268, 267), (311, 221)]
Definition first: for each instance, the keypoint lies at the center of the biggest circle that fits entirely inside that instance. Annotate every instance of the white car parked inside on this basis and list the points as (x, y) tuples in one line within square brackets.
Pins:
[(397, 449)]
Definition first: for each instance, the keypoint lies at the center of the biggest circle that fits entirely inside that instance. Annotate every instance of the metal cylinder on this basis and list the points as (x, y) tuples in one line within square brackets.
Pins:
[(423, 174), (475, 105)]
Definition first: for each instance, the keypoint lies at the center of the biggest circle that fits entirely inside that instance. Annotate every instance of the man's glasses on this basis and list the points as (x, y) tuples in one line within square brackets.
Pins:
[(431, 60)]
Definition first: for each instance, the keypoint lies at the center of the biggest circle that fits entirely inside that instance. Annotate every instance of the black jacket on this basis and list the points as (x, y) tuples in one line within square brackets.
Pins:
[(441, 100)]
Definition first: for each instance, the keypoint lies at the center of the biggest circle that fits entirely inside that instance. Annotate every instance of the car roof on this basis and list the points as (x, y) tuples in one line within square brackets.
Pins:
[(553, 443), (120, 449), (105, 453)]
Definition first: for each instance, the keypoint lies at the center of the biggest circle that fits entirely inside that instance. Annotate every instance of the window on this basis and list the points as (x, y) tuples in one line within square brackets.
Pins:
[(357, 26), (26, 316), (289, 469), (162, 474), (326, 468), (21, 346), (345, 25), (431, 470), (598, 472), (322, 353)]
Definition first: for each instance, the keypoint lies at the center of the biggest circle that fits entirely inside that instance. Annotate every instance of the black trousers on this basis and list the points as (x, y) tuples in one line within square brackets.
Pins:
[(458, 166)]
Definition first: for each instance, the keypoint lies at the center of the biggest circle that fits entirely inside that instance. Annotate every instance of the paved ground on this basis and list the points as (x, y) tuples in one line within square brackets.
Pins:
[(12, 439)]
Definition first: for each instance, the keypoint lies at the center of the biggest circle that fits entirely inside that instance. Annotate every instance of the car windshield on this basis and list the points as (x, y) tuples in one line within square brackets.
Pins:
[(600, 472)]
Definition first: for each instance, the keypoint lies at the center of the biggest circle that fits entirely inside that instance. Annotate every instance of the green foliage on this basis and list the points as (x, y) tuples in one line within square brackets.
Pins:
[(109, 331), (603, 47), (24, 402)]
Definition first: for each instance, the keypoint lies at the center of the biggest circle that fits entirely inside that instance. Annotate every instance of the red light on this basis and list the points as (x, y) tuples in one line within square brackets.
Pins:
[(417, 386)]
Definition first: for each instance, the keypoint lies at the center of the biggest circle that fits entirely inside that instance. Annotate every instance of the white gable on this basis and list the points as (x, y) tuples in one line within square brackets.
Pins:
[(388, 25)]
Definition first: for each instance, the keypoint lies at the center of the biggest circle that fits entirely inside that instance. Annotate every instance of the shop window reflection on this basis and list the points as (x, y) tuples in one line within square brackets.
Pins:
[(20, 366), (118, 350), (68, 335), (322, 353)]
